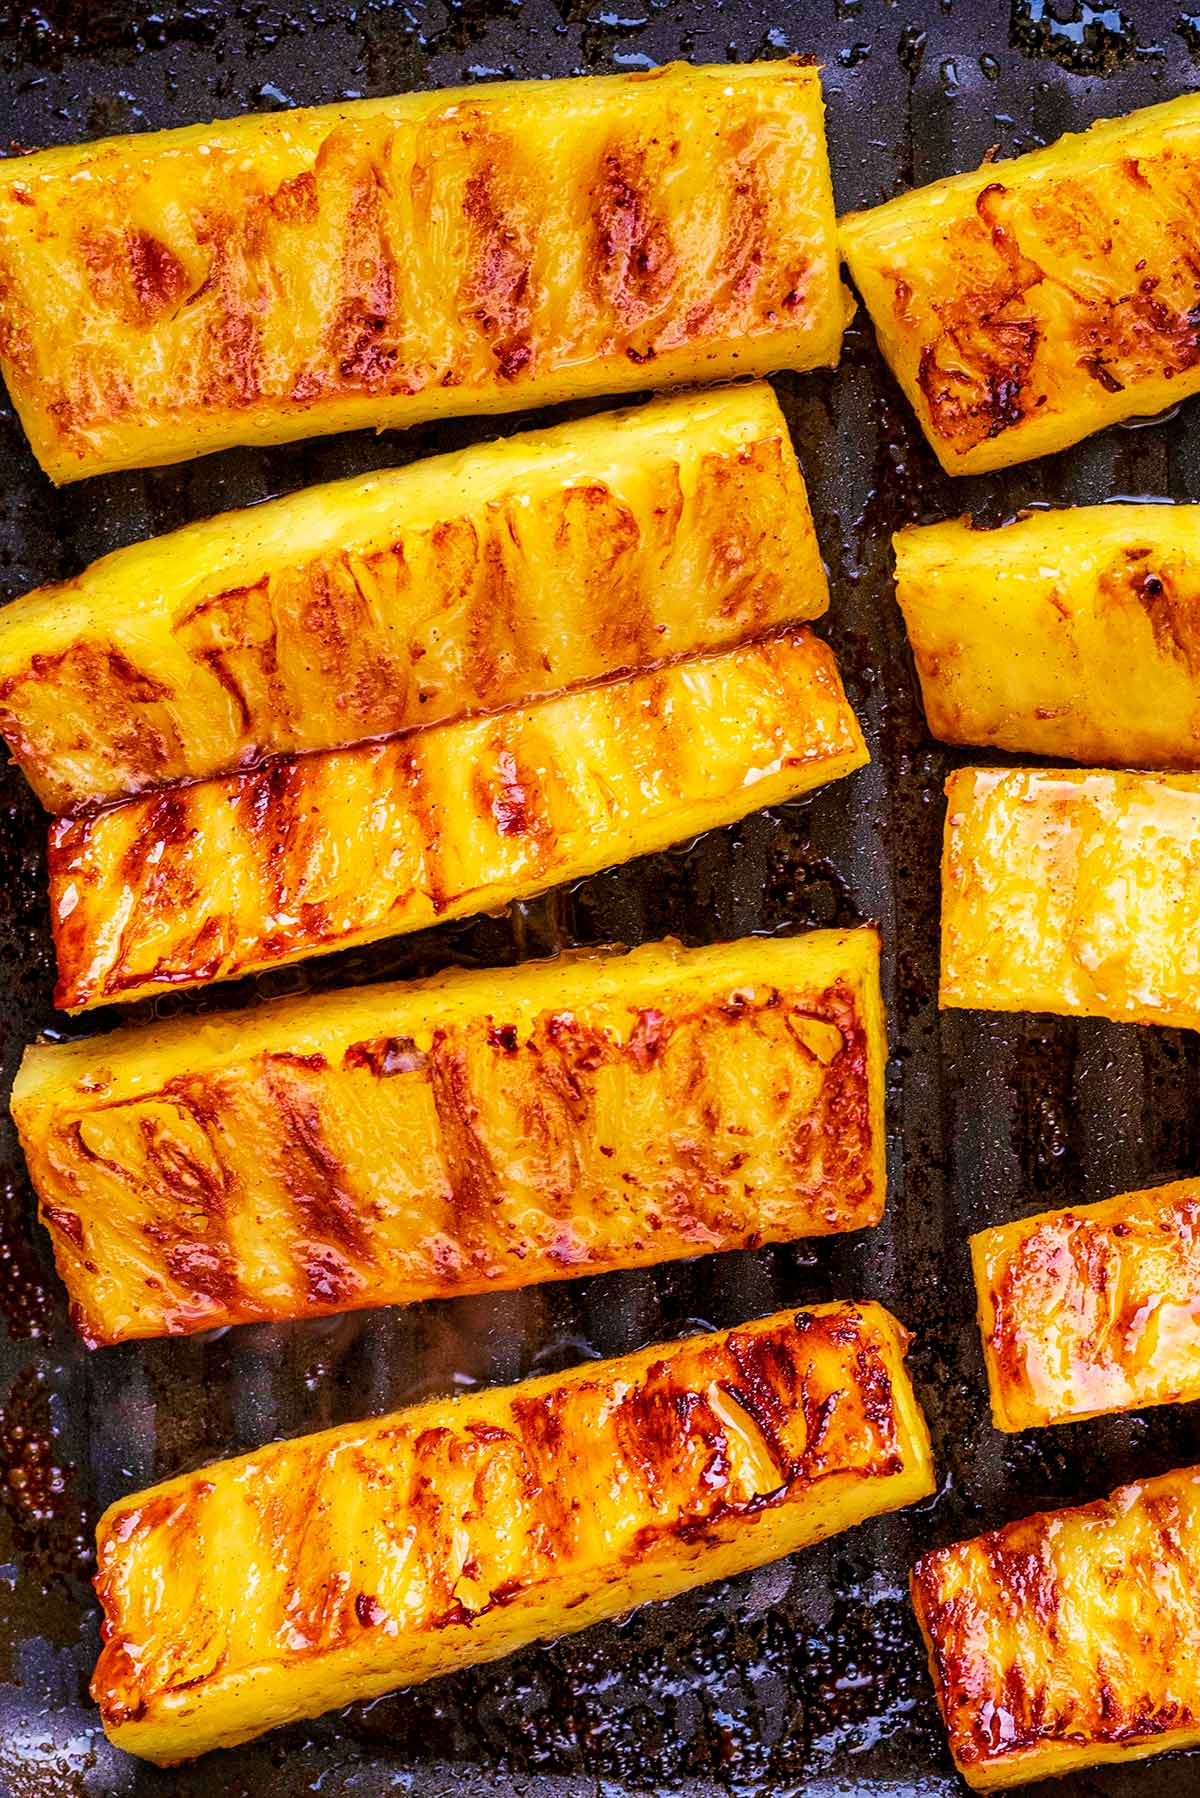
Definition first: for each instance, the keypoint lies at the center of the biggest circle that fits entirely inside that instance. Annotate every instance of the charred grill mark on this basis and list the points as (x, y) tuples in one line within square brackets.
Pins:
[(497, 291), (268, 803), (990, 399), (313, 1176), (635, 264), (159, 278), (94, 682), (386, 1056), (227, 371), (208, 1270), (328, 1280), (600, 535), (976, 373), (97, 669), (1023, 1570), (493, 636), (67, 1223), (767, 1376), (476, 1186), (362, 337), (165, 825), (295, 200), (656, 1426), (650, 1035), (511, 796), (744, 251), (1174, 616), (181, 1174)]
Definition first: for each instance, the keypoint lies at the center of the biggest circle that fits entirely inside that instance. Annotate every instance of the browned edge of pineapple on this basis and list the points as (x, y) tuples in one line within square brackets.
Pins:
[(1031, 302)]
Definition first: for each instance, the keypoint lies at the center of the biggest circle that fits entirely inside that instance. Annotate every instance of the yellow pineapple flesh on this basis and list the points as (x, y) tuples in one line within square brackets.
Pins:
[(340, 1566), (384, 262), (1092, 1310), (477, 1131), (318, 852), (1070, 634), (1028, 303), (1069, 1639), (1073, 891), (396, 600)]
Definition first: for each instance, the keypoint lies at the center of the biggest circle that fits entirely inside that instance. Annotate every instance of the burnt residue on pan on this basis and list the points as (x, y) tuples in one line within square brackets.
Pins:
[(801, 1678)]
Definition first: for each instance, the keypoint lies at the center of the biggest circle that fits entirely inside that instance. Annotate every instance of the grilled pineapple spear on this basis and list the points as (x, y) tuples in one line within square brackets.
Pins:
[(401, 599), (1071, 891), (382, 262), (1094, 1309), (476, 1131), (339, 1566), (1072, 634), (1070, 1639), (1032, 302), (318, 852)]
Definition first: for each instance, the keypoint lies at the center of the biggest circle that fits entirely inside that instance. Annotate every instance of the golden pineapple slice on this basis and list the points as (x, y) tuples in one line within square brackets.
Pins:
[(1074, 892), (1093, 1309), (462, 584), (1071, 634), (383, 262), (1069, 1639), (340, 1566), (1031, 302), (477, 1131), (318, 852)]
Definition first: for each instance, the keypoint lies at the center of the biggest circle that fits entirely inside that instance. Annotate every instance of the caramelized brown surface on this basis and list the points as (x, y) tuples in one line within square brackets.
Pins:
[(401, 599), (307, 855), (1034, 301), (376, 1555), (398, 1143), (388, 261), (1069, 1638)]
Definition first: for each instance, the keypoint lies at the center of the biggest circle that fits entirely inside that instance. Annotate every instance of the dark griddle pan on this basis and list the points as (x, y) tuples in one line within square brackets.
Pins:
[(807, 1677)]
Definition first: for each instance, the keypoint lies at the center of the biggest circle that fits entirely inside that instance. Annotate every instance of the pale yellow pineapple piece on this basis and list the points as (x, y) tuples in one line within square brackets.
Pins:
[(1071, 891), (1071, 634), (1092, 1310)]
